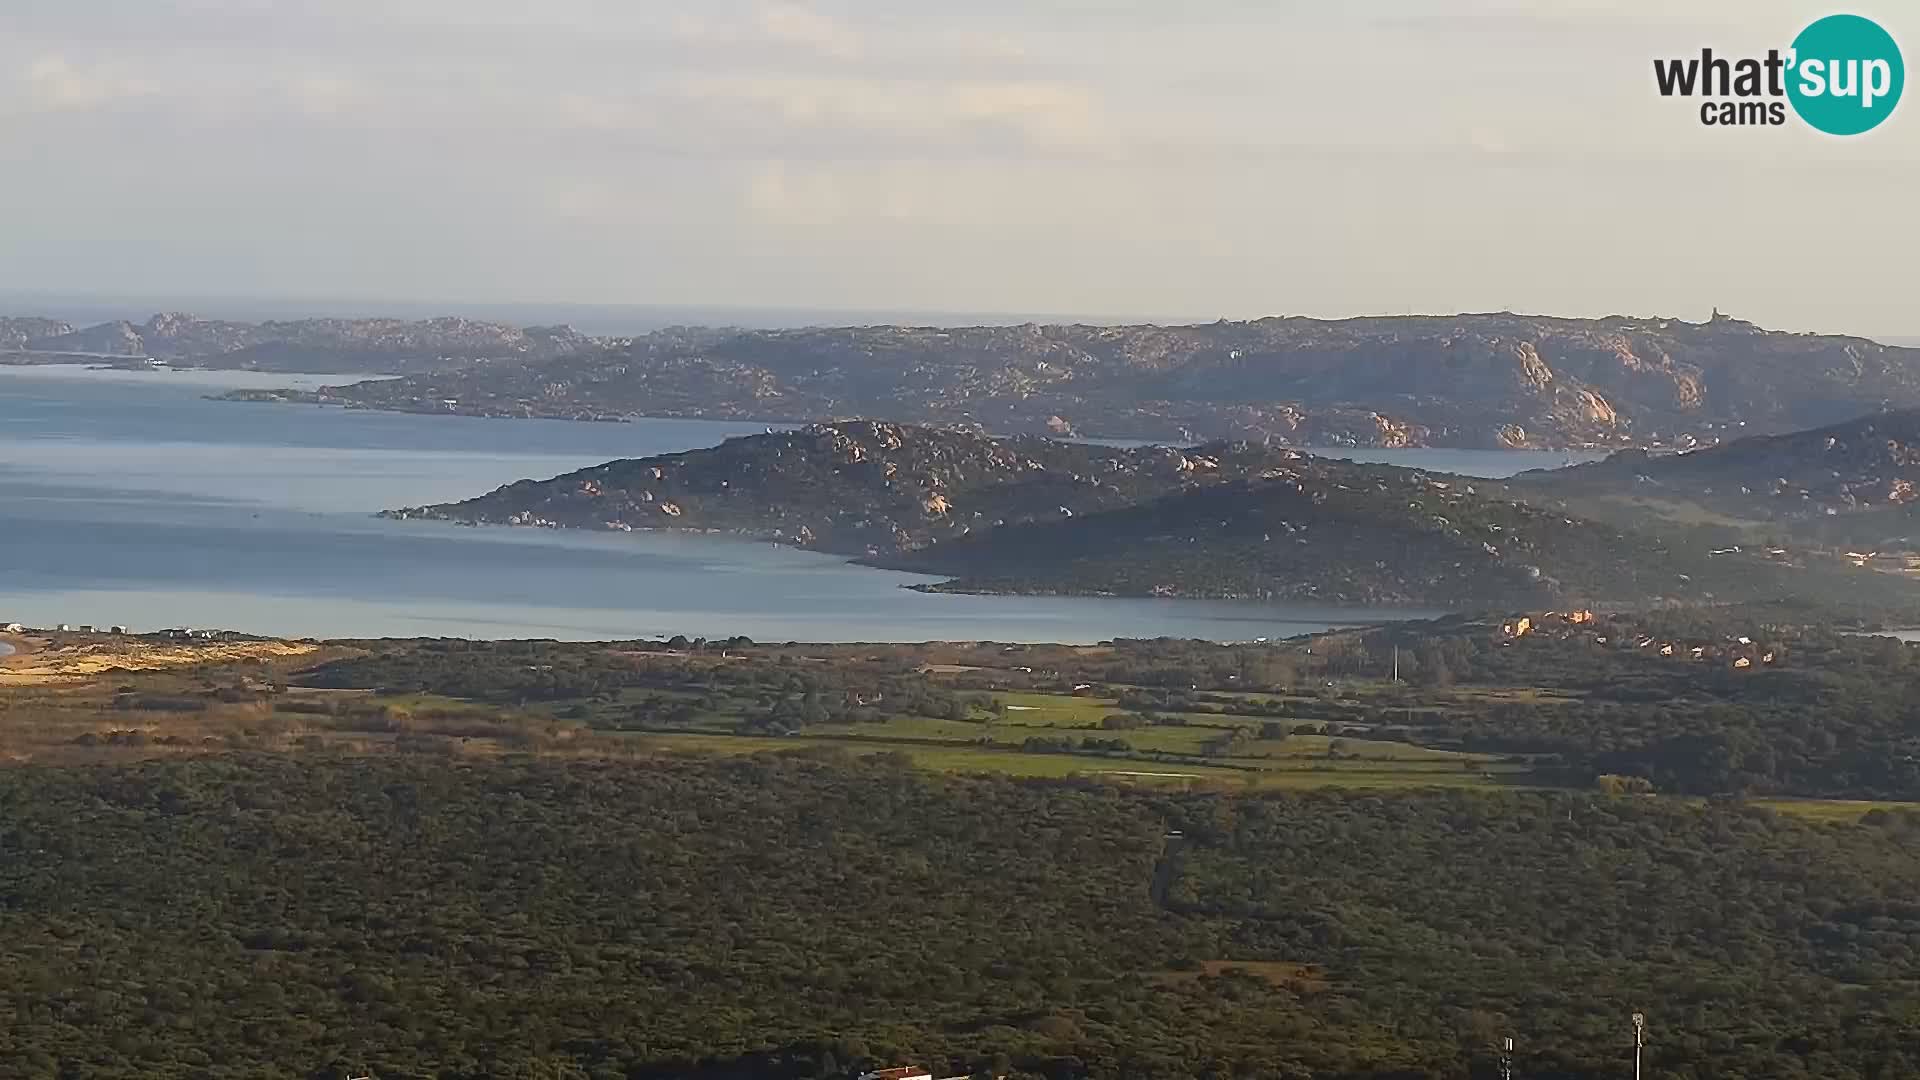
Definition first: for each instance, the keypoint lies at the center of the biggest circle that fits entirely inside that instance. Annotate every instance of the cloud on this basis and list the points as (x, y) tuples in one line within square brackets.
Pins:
[(783, 23), (603, 202), (971, 195), (328, 95), (800, 25), (902, 152), (1039, 113), (777, 195), (54, 84)]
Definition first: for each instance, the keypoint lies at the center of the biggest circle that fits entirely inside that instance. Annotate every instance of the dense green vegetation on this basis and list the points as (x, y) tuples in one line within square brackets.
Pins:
[(487, 859), (1829, 714), (266, 917)]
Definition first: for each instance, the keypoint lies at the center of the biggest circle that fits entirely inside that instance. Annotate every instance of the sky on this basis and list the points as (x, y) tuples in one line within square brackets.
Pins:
[(1214, 158)]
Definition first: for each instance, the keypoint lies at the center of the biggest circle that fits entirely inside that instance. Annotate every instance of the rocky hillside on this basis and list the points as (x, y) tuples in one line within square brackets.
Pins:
[(307, 345), (1855, 482), (860, 487), (1492, 380), (1036, 515), (16, 332)]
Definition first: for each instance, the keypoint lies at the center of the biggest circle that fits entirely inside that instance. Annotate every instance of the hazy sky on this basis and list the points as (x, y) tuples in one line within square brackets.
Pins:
[(1144, 158)]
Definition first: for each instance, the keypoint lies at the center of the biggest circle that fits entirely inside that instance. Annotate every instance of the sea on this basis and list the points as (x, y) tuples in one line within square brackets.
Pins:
[(128, 498)]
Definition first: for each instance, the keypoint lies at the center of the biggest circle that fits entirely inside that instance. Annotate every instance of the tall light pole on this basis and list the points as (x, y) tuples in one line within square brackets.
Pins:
[(1639, 1040)]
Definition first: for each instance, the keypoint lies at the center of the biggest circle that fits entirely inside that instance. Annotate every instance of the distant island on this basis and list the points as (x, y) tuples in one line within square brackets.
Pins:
[(1477, 381), (1499, 381), (1225, 520), (316, 346)]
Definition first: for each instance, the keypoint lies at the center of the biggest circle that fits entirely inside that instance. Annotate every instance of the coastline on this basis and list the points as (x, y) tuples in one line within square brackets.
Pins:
[(1171, 433)]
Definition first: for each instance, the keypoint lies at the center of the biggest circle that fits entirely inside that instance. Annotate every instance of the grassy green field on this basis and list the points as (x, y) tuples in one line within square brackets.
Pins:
[(1206, 748), (1836, 811), (1056, 710), (1234, 772)]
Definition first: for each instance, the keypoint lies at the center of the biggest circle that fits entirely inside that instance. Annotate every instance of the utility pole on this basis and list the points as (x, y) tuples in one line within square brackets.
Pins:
[(1639, 1040)]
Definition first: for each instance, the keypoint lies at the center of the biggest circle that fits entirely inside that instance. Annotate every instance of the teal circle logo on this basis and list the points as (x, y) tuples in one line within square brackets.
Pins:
[(1846, 75)]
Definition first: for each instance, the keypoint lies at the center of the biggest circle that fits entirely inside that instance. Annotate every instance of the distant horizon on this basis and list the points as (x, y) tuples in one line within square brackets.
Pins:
[(792, 160), (607, 319)]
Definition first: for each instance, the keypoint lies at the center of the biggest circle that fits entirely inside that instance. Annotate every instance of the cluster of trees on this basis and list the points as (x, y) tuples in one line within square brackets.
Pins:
[(1067, 744), (517, 672), (790, 917), (649, 684), (1834, 715)]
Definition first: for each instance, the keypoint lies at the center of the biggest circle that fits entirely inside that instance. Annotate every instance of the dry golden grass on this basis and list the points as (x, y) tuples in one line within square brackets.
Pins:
[(52, 663)]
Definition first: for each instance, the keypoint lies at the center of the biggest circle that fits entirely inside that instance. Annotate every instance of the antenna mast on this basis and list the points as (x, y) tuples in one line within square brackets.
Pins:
[(1639, 1040)]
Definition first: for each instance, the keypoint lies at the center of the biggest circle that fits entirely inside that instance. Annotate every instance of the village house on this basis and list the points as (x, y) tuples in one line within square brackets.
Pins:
[(1518, 628)]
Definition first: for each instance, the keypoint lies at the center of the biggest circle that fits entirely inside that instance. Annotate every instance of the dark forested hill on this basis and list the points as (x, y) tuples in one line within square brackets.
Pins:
[(1487, 380), (1853, 482), (1369, 536), (784, 919)]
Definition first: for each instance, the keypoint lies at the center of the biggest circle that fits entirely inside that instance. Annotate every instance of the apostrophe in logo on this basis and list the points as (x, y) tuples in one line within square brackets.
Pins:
[(1843, 75), (1846, 75)]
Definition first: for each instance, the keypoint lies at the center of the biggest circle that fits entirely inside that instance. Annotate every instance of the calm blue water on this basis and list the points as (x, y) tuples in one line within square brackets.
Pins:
[(1494, 464), (126, 498)]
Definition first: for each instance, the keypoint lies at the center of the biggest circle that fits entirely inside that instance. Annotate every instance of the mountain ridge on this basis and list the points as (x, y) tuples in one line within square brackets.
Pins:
[(1484, 380), (316, 345)]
